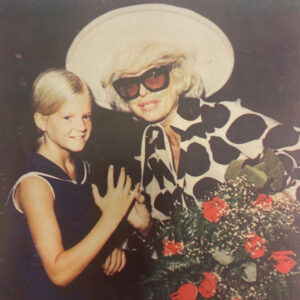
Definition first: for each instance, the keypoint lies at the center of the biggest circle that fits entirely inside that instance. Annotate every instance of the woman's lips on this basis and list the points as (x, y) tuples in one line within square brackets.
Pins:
[(148, 105)]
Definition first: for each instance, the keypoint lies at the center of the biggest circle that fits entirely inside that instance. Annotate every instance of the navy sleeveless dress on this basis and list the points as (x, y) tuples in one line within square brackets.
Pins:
[(76, 215)]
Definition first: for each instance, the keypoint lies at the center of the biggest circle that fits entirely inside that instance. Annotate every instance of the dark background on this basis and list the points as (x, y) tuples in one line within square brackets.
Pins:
[(36, 34)]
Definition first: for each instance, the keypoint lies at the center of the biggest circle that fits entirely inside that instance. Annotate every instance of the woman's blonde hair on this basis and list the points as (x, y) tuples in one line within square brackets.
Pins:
[(134, 57), (52, 88)]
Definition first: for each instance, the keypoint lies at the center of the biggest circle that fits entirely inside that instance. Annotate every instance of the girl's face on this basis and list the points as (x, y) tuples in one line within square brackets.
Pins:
[(154, 106), (70, 127)]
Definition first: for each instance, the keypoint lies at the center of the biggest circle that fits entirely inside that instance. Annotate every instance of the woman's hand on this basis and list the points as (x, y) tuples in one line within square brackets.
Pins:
[(115, 262), (139, 216), (114, 205)]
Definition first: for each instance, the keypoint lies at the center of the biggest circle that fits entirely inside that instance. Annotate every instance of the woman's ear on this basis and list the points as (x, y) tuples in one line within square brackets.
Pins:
[(40, 121)]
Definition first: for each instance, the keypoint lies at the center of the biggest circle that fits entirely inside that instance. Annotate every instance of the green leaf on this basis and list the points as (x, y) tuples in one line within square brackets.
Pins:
[(255, 176), (268, 174), (279, 290), (234, 169), (273, 167)]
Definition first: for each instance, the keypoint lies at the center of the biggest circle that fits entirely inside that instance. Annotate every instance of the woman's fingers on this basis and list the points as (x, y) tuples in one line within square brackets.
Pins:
[(115, 262), (120, 261), (123, 261), (134, 193), (107, 264), (140, 199), (114, 257)]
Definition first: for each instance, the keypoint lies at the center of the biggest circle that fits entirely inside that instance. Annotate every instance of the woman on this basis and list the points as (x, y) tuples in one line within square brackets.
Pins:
[(157, 61)]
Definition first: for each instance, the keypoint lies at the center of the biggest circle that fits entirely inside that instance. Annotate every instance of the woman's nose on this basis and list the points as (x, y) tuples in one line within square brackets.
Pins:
[(143, 91)]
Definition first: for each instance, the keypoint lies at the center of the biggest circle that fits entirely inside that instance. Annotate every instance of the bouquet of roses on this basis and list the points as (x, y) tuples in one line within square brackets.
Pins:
[(238, 244)]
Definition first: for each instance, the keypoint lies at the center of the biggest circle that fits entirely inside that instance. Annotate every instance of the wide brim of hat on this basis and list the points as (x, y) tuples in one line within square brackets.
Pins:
[(95, 45)]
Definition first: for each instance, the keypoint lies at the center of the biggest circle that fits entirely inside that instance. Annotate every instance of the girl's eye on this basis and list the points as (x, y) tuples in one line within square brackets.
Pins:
[(86, 117), (67, 117)]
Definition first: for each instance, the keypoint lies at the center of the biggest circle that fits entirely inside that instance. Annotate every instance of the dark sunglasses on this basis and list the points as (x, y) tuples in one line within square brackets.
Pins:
[(154, 80)]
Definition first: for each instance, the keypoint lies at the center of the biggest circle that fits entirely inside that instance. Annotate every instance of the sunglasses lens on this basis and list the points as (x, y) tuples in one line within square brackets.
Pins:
[(156, 80), (127, 88)]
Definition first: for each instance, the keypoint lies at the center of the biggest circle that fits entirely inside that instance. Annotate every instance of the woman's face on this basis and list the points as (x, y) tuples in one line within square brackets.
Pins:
[(154, 106)]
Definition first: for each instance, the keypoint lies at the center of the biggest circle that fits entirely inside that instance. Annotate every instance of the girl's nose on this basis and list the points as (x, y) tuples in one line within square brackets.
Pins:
[(80, 124), (143, 91)]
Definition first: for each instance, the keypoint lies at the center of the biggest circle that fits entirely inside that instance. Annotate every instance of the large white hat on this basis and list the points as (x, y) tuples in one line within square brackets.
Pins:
[(95, 45)]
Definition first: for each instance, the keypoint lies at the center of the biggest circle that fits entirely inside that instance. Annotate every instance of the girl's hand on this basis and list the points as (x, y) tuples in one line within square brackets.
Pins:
[(115, 262), (139, 216), (117, 200)]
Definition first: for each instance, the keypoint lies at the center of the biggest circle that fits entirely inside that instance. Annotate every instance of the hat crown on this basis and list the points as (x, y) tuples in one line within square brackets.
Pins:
[(93, 48)]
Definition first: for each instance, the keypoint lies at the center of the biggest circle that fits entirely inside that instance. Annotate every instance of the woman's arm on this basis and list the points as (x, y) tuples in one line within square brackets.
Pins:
[(63, 266), (139, 217), (115, 262)]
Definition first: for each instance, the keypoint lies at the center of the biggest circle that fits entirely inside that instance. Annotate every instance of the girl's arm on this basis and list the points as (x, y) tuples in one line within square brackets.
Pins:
[(37, 202)]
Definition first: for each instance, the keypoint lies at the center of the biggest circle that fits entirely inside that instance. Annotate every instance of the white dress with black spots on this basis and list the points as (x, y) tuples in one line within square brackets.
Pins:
[(212, 135)]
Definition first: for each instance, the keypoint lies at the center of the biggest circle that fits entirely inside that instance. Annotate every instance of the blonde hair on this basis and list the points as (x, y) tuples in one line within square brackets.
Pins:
[(52, 88), (136, 56)]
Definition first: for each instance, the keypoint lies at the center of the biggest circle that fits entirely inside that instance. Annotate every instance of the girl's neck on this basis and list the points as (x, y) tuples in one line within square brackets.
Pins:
[(60, 157)]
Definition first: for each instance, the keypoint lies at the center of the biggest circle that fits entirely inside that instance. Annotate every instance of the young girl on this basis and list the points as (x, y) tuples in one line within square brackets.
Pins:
[(57, 230)]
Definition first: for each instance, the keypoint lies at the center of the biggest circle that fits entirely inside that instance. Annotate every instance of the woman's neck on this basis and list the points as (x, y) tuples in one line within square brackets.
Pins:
[(174, 139)]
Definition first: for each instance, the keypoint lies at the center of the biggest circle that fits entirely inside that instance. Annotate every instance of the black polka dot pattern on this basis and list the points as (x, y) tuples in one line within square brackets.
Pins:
[(194, 130), (212, 135), (191, 110), (214, 117), (296, 155), (164, 202), (205, 186), (281, 136), (246, 128), (195, 161), (222, 152)]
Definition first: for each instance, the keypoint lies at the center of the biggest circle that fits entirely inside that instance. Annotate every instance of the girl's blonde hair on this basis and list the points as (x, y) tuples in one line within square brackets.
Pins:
[(134, 57), (52, 88)]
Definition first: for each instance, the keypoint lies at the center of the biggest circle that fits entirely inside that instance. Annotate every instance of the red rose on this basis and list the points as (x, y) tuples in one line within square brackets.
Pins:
[(208, 285), (214, 209), (172, 247), (263, 201), (187, 291), (254, 245), (283, 263)]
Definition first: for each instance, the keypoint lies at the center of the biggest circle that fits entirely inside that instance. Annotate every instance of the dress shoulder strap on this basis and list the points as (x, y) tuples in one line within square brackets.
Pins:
[(41, 175)]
